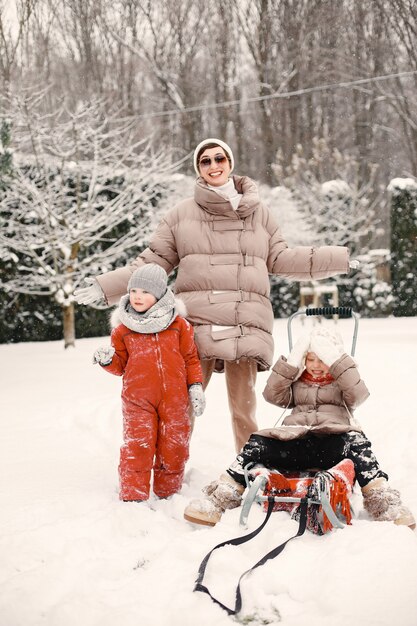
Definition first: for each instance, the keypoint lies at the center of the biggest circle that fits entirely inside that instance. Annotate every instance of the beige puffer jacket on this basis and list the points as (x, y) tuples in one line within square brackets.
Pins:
[(326, 410), (224, 258)]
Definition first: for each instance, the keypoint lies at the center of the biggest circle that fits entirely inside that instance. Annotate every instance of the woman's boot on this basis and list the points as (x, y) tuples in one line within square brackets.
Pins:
[(221, 494), (383, 504)]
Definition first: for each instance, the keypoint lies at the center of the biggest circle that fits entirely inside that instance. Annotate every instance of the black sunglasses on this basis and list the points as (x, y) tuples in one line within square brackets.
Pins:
[(218, 158)]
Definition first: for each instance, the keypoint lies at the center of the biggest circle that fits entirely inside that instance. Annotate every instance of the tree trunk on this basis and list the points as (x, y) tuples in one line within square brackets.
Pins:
[(68, 315)]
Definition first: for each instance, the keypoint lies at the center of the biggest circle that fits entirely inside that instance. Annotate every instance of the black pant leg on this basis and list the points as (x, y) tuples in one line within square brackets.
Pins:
[(255, 451), (323, 452), (358, 449)]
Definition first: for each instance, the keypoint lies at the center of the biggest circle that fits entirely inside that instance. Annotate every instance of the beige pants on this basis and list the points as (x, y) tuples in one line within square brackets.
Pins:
[(240, 384)]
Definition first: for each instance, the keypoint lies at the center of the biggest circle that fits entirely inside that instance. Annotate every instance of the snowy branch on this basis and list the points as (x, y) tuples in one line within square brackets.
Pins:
[(88, 197)]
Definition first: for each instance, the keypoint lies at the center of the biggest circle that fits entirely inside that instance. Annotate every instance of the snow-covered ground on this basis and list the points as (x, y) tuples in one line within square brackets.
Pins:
[(72, 553)]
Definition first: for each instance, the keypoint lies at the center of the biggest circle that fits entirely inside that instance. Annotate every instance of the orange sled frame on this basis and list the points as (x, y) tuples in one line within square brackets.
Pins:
[(329, 499)]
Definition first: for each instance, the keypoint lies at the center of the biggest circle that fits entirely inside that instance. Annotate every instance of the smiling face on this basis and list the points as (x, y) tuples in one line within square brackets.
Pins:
[(141, 300), (215, 173), (314, 366)]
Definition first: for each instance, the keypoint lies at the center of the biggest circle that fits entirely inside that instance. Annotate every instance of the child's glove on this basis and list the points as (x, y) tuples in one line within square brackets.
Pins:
[(327, 345), (298, 354), (89, 295), (104, 356), (197, 399)]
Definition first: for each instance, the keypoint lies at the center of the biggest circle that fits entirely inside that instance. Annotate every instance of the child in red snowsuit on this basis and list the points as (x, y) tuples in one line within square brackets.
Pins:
[(153, 349)]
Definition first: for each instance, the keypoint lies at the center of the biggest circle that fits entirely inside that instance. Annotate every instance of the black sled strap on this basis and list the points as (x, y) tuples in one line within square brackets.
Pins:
[(238, 541)]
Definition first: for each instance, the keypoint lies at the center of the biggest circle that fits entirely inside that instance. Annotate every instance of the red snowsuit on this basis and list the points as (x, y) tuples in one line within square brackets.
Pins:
[(157, 369)]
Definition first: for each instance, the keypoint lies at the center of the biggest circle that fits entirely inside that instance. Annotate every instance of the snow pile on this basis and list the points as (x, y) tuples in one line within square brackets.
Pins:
[(71, 551), (397, 185), (336, 187)]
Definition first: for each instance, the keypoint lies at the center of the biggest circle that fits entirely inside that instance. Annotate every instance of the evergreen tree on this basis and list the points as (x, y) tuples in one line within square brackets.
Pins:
[(6, 157), (404, 245)]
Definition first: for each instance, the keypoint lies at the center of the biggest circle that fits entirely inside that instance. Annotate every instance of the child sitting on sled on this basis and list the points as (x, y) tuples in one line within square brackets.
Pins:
[(153, 349), (322, 385)]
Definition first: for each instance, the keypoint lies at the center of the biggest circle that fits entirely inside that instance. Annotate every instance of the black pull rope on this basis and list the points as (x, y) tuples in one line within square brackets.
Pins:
[(199, 586)]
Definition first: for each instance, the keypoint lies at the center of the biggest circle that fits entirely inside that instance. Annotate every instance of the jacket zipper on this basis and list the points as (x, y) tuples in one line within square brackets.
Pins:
[(159, 360)]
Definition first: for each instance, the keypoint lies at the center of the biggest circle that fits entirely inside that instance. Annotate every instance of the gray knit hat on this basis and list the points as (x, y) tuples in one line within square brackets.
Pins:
[(151, 278)]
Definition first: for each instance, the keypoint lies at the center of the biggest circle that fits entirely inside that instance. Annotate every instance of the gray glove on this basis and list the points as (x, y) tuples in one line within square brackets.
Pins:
[(197, 399), (91, 294), (104, 356)]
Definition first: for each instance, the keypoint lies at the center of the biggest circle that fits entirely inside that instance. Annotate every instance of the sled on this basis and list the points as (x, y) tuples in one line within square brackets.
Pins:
[(319, 501), (326, 492)]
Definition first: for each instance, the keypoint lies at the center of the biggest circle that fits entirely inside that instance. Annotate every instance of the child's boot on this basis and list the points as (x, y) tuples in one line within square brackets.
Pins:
[(221, 494), (383, 504)]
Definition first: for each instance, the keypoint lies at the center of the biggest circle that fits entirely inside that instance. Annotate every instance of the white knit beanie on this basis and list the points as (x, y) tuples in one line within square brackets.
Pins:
[(151, 278), (220, 143), (330, 335)]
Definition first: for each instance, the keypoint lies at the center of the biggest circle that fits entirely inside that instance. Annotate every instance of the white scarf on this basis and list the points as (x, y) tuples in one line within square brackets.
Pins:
[(229, 192)]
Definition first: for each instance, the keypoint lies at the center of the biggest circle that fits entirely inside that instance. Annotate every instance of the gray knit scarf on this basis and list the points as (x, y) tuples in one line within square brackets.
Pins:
[(155, 319)]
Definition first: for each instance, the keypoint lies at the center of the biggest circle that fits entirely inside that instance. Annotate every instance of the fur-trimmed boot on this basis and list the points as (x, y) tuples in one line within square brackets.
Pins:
[(221, 494), (383, 504)]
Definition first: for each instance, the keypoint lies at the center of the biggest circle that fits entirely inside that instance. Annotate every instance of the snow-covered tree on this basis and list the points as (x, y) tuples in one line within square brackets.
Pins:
[(337, 207), (83, 194), (369, 292), (404, 245), (6, 157)]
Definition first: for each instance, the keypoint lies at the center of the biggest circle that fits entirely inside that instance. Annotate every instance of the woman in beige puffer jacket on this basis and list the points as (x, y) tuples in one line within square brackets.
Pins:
[(224, 243)]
